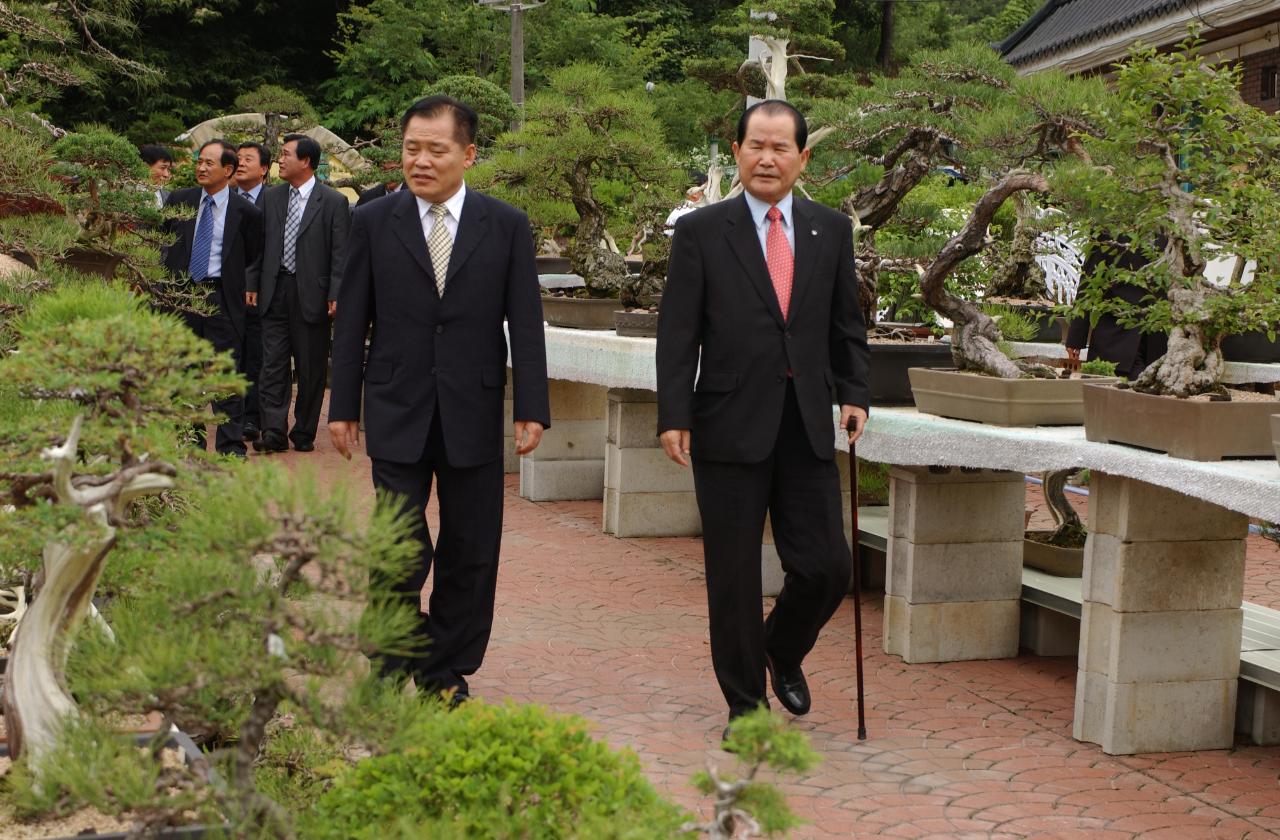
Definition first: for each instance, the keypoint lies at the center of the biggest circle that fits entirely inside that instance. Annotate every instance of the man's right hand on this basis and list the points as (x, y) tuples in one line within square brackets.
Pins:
[(251, 298), (1072, 361), (676, 444), (345, 435)]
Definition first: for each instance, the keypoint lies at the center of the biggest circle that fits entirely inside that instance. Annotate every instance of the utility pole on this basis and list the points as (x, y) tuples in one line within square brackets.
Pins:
[(516, 9)]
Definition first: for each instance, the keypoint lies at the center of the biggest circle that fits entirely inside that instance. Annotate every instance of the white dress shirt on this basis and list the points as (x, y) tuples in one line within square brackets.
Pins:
[(451, 220), (759, 209), (304, 192), (252, 195), (220, 200)]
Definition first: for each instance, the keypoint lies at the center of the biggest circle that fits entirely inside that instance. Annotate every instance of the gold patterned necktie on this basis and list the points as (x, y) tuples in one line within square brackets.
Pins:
[(439, 245)]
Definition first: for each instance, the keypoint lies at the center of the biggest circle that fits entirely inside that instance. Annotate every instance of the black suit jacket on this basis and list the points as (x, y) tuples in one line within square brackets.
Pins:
[(320, 252), (426, 351), (375, 192), (720, 300), (241, 247)]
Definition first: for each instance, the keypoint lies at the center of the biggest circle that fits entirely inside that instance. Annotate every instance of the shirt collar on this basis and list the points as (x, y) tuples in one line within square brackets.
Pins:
[(759, 208), (454, 204), (252, 194), (221, 197), (304, 191)]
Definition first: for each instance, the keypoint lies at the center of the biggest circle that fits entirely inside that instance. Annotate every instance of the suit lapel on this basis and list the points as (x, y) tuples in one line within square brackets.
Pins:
[(312, 209), (472, 228), (808, 240), (740, 230), (408, 227)]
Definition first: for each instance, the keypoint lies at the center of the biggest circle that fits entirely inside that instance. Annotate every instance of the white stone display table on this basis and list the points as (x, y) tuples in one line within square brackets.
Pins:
[(1159, 653)]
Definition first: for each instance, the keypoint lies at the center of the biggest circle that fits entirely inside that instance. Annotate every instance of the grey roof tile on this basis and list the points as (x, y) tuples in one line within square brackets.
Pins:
[(1065, 23)]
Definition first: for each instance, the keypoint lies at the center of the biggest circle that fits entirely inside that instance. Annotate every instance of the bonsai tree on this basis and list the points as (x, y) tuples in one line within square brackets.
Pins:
[(967, 110), (1189, 172), (283, 111), (127, 378), (491, 102), (584, 154)]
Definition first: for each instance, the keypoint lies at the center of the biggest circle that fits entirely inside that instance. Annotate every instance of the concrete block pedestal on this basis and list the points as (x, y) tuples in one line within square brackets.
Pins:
[(954, 576), (1159, 657), (569, 463), (646, 494)]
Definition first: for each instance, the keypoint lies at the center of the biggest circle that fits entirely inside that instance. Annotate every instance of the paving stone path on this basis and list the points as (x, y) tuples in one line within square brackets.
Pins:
[(615, 630)]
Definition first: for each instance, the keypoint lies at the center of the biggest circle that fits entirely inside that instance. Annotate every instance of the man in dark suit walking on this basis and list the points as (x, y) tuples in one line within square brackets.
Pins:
[(251, 176), (1128, 347), (307, 224), (434, 270), (220, 250), (763, 287)]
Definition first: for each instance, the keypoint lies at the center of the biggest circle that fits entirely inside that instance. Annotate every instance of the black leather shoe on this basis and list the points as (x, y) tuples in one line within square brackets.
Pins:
[(724, 740), (270, 444), (790, 688), (304, 447), (251, 433)]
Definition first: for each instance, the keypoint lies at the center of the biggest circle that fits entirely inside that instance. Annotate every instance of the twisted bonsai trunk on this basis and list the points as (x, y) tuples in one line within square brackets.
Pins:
[(974, 342), (36, 700), (603, 270), (1070, 532)]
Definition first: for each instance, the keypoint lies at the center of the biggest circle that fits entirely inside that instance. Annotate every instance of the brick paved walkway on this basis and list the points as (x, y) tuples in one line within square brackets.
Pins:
[(615, 630)]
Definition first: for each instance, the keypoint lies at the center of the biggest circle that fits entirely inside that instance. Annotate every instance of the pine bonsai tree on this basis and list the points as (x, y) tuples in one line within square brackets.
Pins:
[(582, 139)]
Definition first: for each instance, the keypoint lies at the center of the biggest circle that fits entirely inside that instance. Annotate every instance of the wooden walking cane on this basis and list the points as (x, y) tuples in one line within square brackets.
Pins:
[(857, 581)]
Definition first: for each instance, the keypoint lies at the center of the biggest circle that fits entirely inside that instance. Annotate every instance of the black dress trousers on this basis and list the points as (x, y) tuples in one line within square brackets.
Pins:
[(454, 630), (219, 330), (290, 343), (801, 494)]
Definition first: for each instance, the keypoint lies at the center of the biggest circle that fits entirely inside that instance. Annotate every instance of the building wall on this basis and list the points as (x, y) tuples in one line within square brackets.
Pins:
[(1259, 67)]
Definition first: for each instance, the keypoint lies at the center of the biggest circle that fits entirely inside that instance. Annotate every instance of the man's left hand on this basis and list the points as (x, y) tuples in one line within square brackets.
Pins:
[(333, 307), (528, 435), (857, 413)]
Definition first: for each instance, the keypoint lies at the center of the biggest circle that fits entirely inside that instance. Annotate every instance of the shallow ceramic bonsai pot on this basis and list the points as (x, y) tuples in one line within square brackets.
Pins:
[(1191, 429), (579, 313), (552, 265), (636, 323), (1051, 559), (1000, 402)]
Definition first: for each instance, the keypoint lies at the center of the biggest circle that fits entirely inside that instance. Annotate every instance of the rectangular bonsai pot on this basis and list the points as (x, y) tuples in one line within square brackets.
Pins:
[(890, 383), (1197, 431), (1000, 402), (1051, 559), (579, 313)]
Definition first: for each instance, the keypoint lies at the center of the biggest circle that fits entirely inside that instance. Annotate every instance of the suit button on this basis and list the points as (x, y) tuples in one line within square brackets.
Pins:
[(433, 371), (779, 378), (439, 329), (788, 334)]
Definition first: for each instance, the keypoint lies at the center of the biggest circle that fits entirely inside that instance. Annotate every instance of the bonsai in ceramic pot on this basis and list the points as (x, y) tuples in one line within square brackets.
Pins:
[(587, 152), (1189, 170)]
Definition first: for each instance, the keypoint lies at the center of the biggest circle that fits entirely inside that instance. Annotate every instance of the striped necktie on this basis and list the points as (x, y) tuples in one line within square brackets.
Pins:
[(289, 257), (198, 268)]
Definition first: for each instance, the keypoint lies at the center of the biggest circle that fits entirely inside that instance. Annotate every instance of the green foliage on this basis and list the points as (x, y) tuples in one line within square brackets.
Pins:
[(273, 99), (496, 771), (758, 740), (587, 153), (491, 102), (1014, 324), (873, 483), (1098, 367)]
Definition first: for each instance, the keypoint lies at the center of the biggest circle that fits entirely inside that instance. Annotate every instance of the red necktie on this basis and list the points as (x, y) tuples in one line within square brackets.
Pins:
[(777, 253)]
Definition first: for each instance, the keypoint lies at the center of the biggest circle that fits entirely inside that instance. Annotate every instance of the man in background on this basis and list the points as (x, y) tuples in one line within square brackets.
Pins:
[(160, 161), (220, 250), (306, 236), (251, 176)]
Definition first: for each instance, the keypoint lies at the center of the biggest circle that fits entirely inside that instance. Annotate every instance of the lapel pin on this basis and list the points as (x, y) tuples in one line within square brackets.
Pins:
[(814, 232)]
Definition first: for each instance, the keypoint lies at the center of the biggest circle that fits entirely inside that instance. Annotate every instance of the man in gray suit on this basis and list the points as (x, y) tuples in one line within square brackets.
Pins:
[(306, 233)]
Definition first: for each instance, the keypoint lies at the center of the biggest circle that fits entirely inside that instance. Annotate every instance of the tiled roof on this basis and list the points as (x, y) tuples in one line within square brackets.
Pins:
[(1066, 23)]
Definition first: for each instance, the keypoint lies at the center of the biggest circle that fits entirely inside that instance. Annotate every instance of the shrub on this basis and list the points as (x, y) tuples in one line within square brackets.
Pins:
[(1099, 367), (496, 771)]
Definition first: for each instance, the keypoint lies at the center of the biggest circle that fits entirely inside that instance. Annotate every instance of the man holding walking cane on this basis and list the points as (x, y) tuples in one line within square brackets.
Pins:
[(761, 309)]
